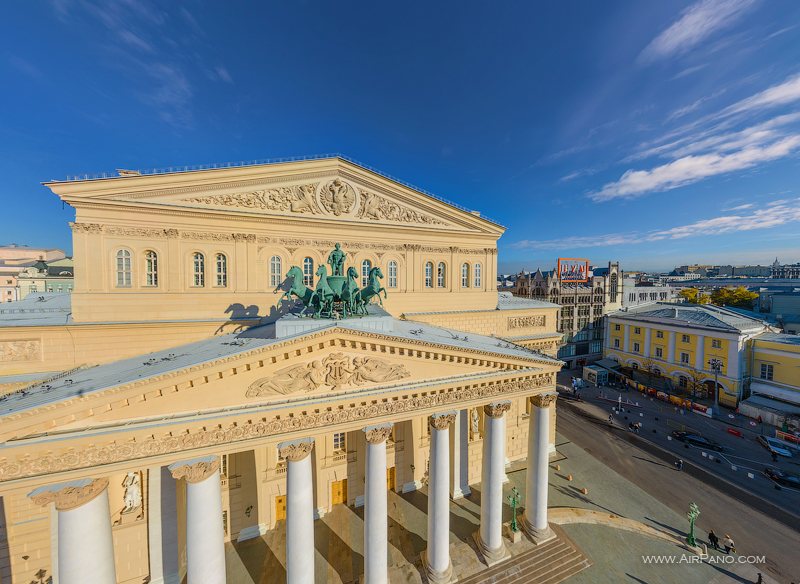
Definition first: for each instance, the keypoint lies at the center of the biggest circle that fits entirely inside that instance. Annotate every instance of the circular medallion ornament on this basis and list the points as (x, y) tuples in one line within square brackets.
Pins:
[(338, 197)]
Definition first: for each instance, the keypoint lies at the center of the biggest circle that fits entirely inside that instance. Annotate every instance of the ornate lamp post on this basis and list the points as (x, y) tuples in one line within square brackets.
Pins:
[(694, 511), (513, 500), (716, 367)]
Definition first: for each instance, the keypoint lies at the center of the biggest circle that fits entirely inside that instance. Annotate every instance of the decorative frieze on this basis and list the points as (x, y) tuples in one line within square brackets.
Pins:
[(496, 409), (195, 472), (206, 236), (70, 496), (535, 320), (86, 227), (21, 350), (543, 400), (411, 405), (336, 370)]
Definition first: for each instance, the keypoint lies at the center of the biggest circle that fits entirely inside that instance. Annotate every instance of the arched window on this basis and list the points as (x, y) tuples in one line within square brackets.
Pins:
[(222, 270), (123, 268), (465, 275), (199, 270), (429, 275), (150, 268), (275, 271), (392, 274), (477, 269), (308, 271), (613, 288), (366, 266), (440, 275)]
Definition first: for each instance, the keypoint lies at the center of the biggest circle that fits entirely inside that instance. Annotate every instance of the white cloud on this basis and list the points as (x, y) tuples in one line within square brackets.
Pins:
[(693, 168), (740, 207), (697, 23), (781, 94), (773, 214)]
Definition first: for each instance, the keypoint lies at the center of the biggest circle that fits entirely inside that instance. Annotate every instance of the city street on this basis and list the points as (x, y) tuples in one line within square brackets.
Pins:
[(742, 460), (753, 532)]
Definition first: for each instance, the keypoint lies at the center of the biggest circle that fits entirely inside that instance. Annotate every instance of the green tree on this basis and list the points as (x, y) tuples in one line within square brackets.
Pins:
[(694, 296), (739, 297)]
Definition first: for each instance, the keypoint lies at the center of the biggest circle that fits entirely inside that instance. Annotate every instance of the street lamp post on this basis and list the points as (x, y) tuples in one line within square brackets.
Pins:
[(694, 511), (716, 367)]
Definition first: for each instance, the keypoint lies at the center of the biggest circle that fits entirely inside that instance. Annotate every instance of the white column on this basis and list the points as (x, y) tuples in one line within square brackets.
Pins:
[(162, 526), (700, 354), (732, 367), (671, 347), (299, 511), (626, 343), (205, 536), (647, 333), (535, 519), (459, 441), (490, 536), (376, 522), (436, 558), (85, 546)]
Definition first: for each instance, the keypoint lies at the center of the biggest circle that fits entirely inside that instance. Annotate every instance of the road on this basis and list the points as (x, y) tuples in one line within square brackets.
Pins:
[(755, 532), (740, 458)]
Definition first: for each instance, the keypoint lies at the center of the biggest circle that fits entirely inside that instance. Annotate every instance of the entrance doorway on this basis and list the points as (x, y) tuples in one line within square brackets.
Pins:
[(339, 492), (280, 507)]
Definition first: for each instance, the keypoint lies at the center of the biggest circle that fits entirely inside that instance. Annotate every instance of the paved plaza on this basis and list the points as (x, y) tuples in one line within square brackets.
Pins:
[(614, 525)]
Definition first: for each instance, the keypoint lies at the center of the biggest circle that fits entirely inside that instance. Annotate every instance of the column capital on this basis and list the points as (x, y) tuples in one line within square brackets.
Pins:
[(442, 421), (496, 409), (195, 470), (543, 400), (378, 434), (69, 495), (296, 450)]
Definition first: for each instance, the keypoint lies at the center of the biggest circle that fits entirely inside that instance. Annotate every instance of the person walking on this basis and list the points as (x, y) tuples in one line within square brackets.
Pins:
[(728, 544), (679, 464), (713, 539)]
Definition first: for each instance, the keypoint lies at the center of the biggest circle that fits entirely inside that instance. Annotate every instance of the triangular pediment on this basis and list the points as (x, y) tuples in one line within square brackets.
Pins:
[(333, 364), (317, 189)]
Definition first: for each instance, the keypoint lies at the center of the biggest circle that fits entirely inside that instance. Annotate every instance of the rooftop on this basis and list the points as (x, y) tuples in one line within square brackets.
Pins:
[(37, 309), (83, 381), (705, 315), (780, 338), (507, 301)]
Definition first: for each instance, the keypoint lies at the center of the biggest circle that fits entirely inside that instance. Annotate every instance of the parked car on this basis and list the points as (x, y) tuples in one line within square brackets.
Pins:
[(774, 446), (697, 440), (783, 478)]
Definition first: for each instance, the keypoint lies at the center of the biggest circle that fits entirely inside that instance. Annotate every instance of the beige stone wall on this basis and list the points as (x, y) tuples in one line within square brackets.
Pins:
[(492, 322)]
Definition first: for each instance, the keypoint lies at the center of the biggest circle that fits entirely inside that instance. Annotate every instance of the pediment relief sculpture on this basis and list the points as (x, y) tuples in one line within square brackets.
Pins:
[(335, 371), (337, 197)]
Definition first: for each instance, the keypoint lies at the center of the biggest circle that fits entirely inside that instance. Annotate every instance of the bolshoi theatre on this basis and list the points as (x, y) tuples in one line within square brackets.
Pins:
[(247, 348)]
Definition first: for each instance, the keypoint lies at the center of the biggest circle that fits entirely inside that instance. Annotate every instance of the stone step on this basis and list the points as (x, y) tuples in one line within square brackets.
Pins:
[(578, 564), (551, 568), (496, 573)]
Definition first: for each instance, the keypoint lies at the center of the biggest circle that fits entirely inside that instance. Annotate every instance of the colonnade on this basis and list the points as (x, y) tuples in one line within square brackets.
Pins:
[(85, 546)]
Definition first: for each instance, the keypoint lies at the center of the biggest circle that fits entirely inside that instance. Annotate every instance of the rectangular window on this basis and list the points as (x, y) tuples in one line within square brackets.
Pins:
[(684, 338), (635, 347), (616, 343), (716, 344), (659, 352), (616, 327), (766, 372), (339, 442), (659, 334), (594, 347), (685, 358), (637, 330)]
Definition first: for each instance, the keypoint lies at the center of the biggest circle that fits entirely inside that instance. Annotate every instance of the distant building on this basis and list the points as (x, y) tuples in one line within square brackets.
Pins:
[(14, 259), (787, 271), (687, 277), (677, 342), (56, 276), (783, 306), (636, 292), (580, 318)]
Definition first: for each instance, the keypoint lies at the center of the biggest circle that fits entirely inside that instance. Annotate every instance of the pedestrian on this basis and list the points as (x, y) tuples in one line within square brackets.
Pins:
[(713, 539), (679, 464), (728, 544), (611, 419)]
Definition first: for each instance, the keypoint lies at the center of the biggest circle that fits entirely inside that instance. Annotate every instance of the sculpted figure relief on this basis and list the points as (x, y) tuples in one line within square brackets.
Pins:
[(337, 197), (336, 370), (133, 492)]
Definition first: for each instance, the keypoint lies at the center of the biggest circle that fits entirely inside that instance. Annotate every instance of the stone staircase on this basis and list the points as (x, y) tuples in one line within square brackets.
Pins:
[(549, 563)]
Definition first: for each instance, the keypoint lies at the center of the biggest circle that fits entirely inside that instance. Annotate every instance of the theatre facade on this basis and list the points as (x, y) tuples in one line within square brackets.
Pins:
[(184, 398)]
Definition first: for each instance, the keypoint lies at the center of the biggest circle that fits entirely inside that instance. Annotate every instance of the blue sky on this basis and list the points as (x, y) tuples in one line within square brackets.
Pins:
[(653, 133)]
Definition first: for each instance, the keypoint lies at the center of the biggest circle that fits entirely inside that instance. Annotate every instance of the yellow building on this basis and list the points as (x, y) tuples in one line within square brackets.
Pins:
[(683, 343), (775, 379), (175, 395)]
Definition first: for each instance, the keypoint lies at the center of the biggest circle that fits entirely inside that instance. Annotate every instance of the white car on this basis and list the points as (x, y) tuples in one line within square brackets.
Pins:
[(774, 445)]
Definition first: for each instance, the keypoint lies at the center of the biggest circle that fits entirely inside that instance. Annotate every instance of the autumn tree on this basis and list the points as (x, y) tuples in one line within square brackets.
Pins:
[(694, 296), (739, 297)]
